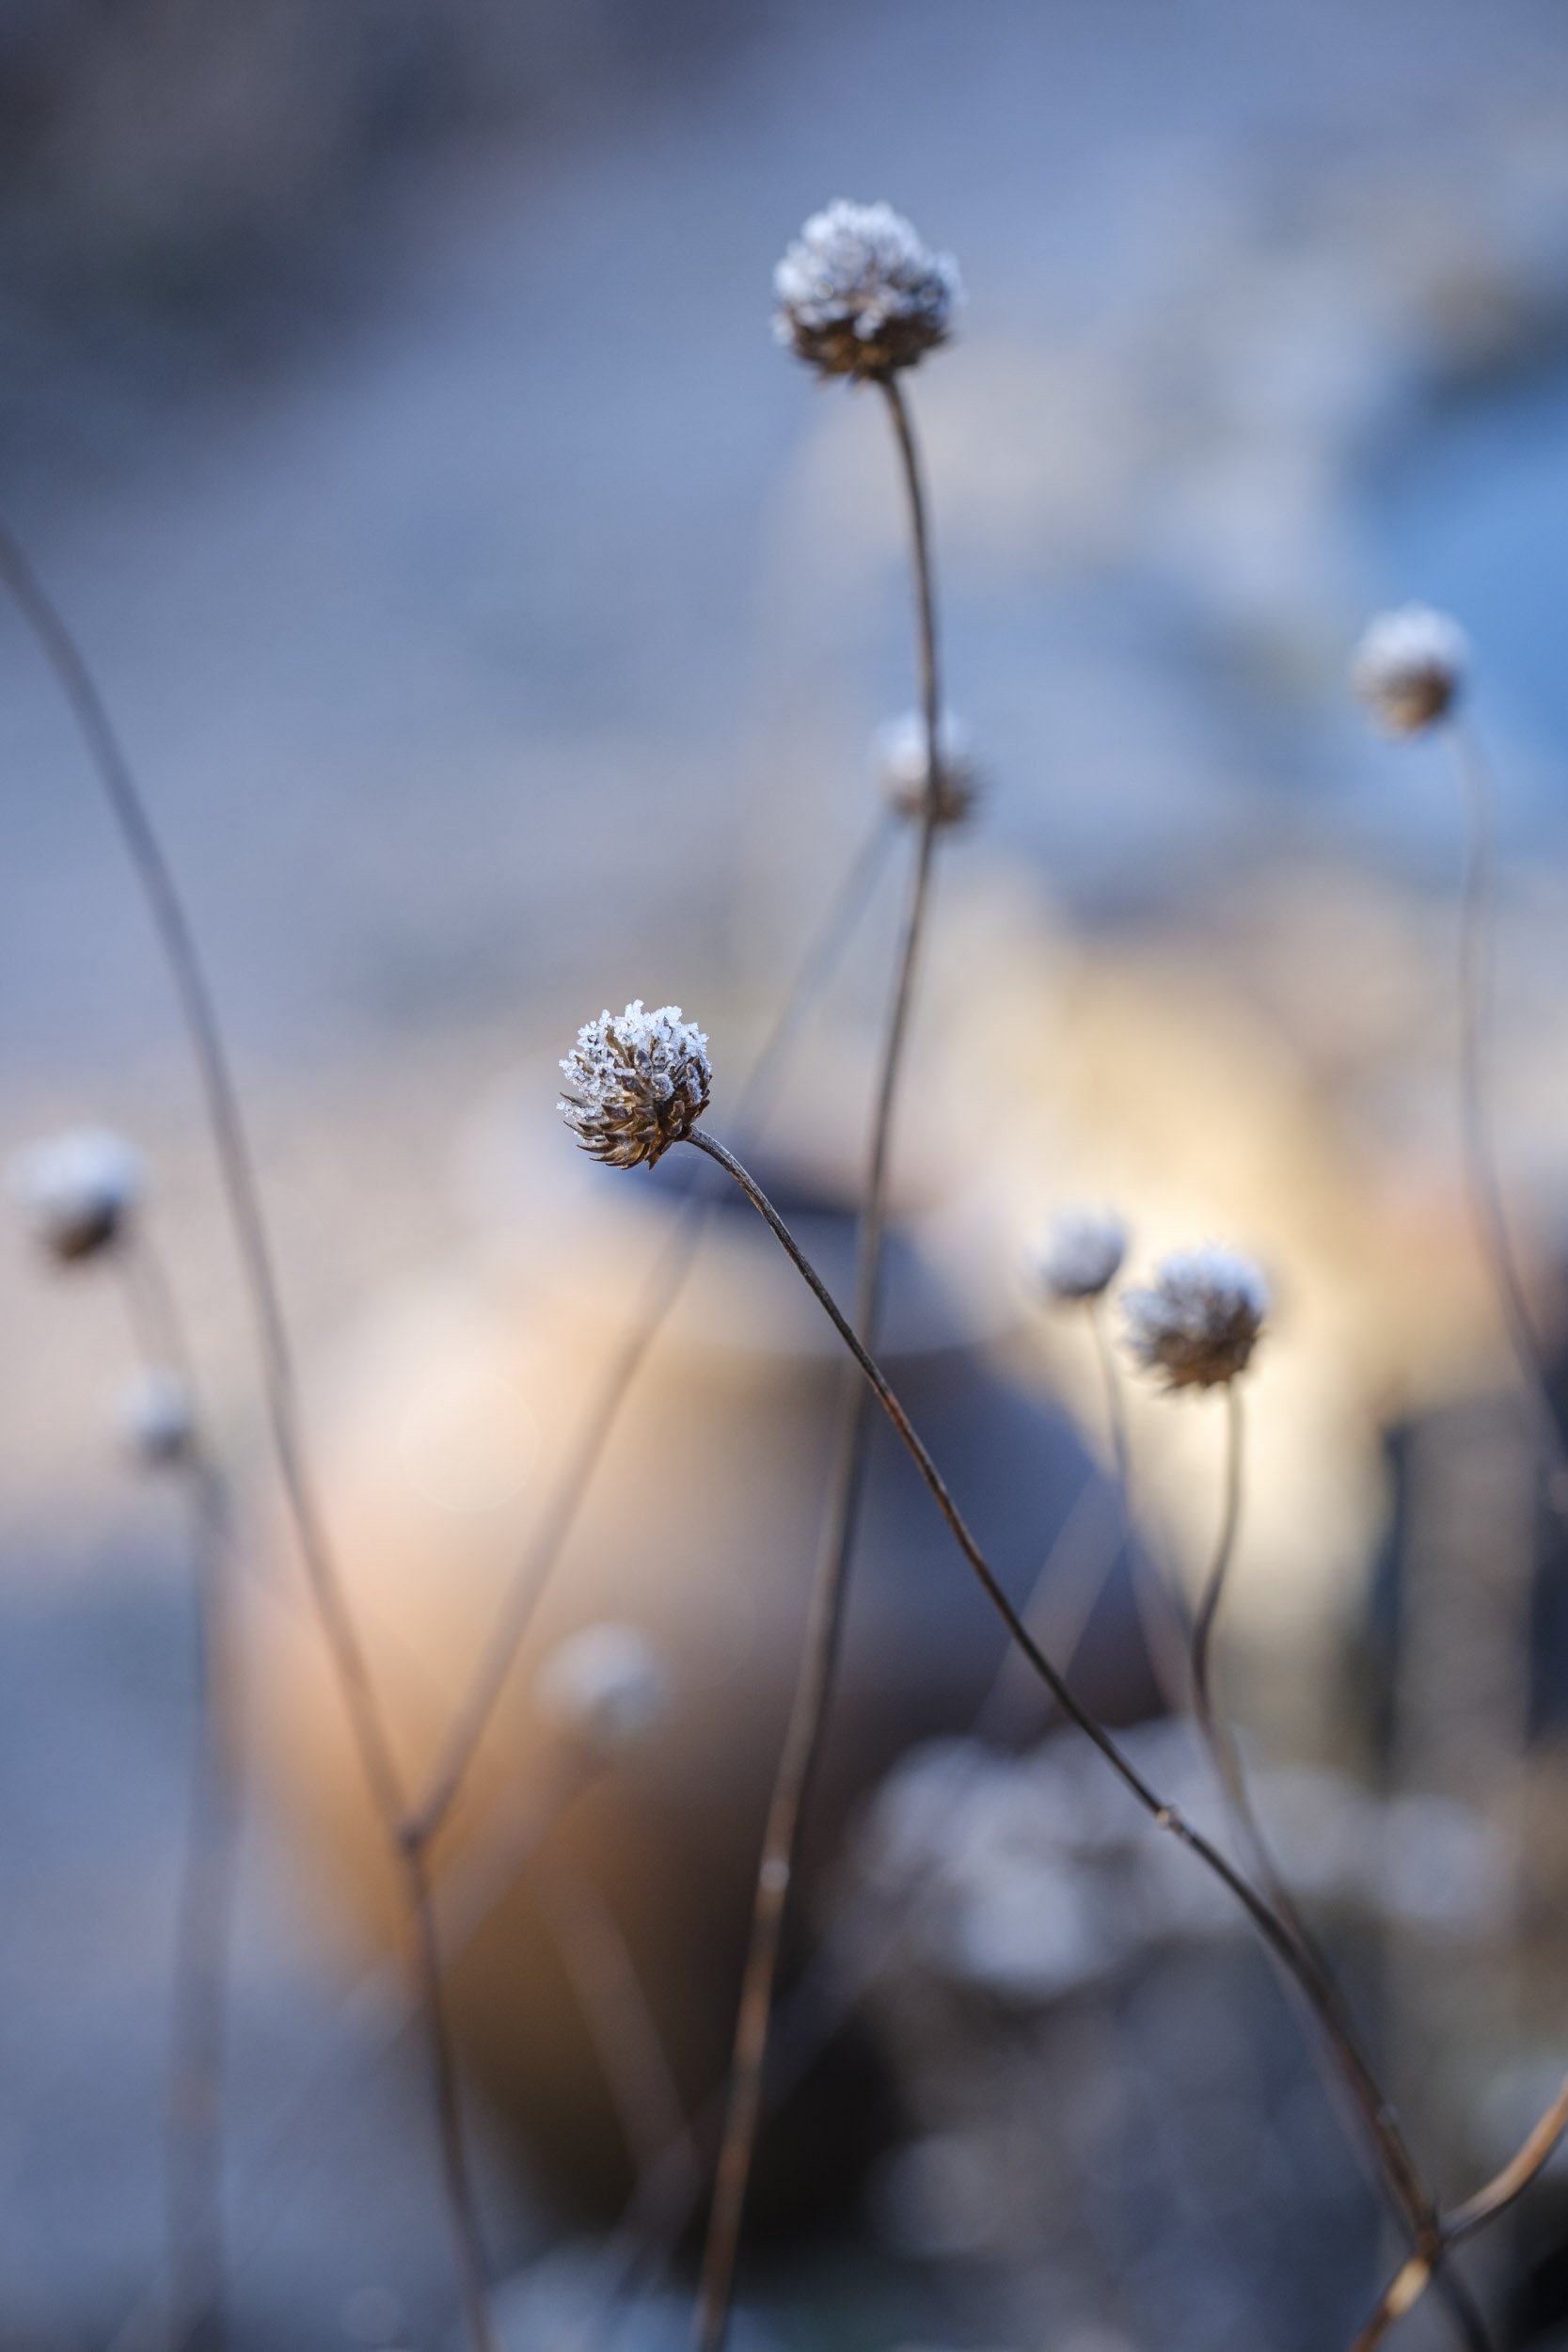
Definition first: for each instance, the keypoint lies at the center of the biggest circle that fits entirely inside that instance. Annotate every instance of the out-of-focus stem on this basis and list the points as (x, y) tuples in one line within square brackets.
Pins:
[(242, 1197), (1476, 961), (665, 1283), (1395, 2161), (819, 1654)]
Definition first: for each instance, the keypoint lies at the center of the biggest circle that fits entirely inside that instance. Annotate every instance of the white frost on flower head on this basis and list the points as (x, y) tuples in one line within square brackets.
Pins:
[(1082, 1254), (859, 294), (899, 757), (157, 1420), (1201, 1319), (635, 1083), (1410, 667), (608, 1686), (76, 1190)]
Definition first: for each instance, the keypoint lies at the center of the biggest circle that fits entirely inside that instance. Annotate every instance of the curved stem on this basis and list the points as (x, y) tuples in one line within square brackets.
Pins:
[(242, 1195), (1416, 2199), (194, 2111), (665, 1283), (1160, 1611), (193, 2107), (815, 1677), (425, 1966), (1477, 961), (1383, 2130)]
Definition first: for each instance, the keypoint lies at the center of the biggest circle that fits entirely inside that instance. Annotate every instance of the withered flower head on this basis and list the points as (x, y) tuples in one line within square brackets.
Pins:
[(859, 294), (635, 1083), (77, 1189), (898, 753), (156, 1418), (1201, 1319), (1410, 667), (1082, 1254), (608, 1686)]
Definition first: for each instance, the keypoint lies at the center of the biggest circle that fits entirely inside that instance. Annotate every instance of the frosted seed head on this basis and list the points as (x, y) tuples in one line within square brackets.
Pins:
[(859, 294), (635, 1083), (899, 755), (1082, 1255), (1410, 668), (1199, 1320), (607, 1686), (157, 1420), (77, 1189)]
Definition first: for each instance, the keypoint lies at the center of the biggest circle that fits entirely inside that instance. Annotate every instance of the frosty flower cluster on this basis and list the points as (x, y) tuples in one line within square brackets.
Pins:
[(859, 294), (899, 757), (635, 1083), (1410, 667), (1199, 1320), (77, 1189), (1082, 1255)]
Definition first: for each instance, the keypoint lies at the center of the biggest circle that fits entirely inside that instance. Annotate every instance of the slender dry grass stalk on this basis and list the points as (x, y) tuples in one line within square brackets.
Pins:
[(663, 1287), (1395, 2162), (194, 2112), (242, 1195), (1409, 2188), (829, 1585), (1160, 1609), (620, 2023), (1478, 1124)]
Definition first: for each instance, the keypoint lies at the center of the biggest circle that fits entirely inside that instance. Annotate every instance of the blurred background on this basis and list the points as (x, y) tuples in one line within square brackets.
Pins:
[(499, 622)]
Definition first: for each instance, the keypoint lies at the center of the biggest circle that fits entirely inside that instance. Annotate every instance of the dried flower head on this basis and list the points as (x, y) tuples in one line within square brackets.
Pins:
[(1082, 1254), (1409, 668), (157, 1419), (608, 1686), (77, 1189), (898, 754), (635, 1083), (859, 294), (1199, 1320)]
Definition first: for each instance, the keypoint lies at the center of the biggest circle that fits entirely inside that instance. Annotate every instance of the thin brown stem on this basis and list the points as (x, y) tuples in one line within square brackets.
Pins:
[(1414, 2198), (1483, 1183), (663, 1288), (242, 1197), (1160, 1613), (1382, 2131), (1516, 2174), (425, 1967), (193, 2115), (815, 1676), (620, 2023), (194, 2154)]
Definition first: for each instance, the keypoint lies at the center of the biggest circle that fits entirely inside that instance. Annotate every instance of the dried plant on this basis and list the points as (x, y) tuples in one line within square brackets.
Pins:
[(859, 297)]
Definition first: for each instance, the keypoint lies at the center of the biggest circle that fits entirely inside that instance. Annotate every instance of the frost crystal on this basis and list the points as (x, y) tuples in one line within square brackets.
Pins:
[(1410, 667), (1200, 1321), (156, 1418), (1082, 1254), (608, 1686), (859, 294), (76, 1190), (635, 1083), (898, 754)]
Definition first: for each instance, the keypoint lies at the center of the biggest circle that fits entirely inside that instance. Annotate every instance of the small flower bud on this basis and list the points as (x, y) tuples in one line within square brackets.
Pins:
[(635, 1083), (157, 1420), (859, 294), (1410, 667), (608, 1686), (1082, 1255), (77, 1189), (1200, 1321), (898, 754)]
